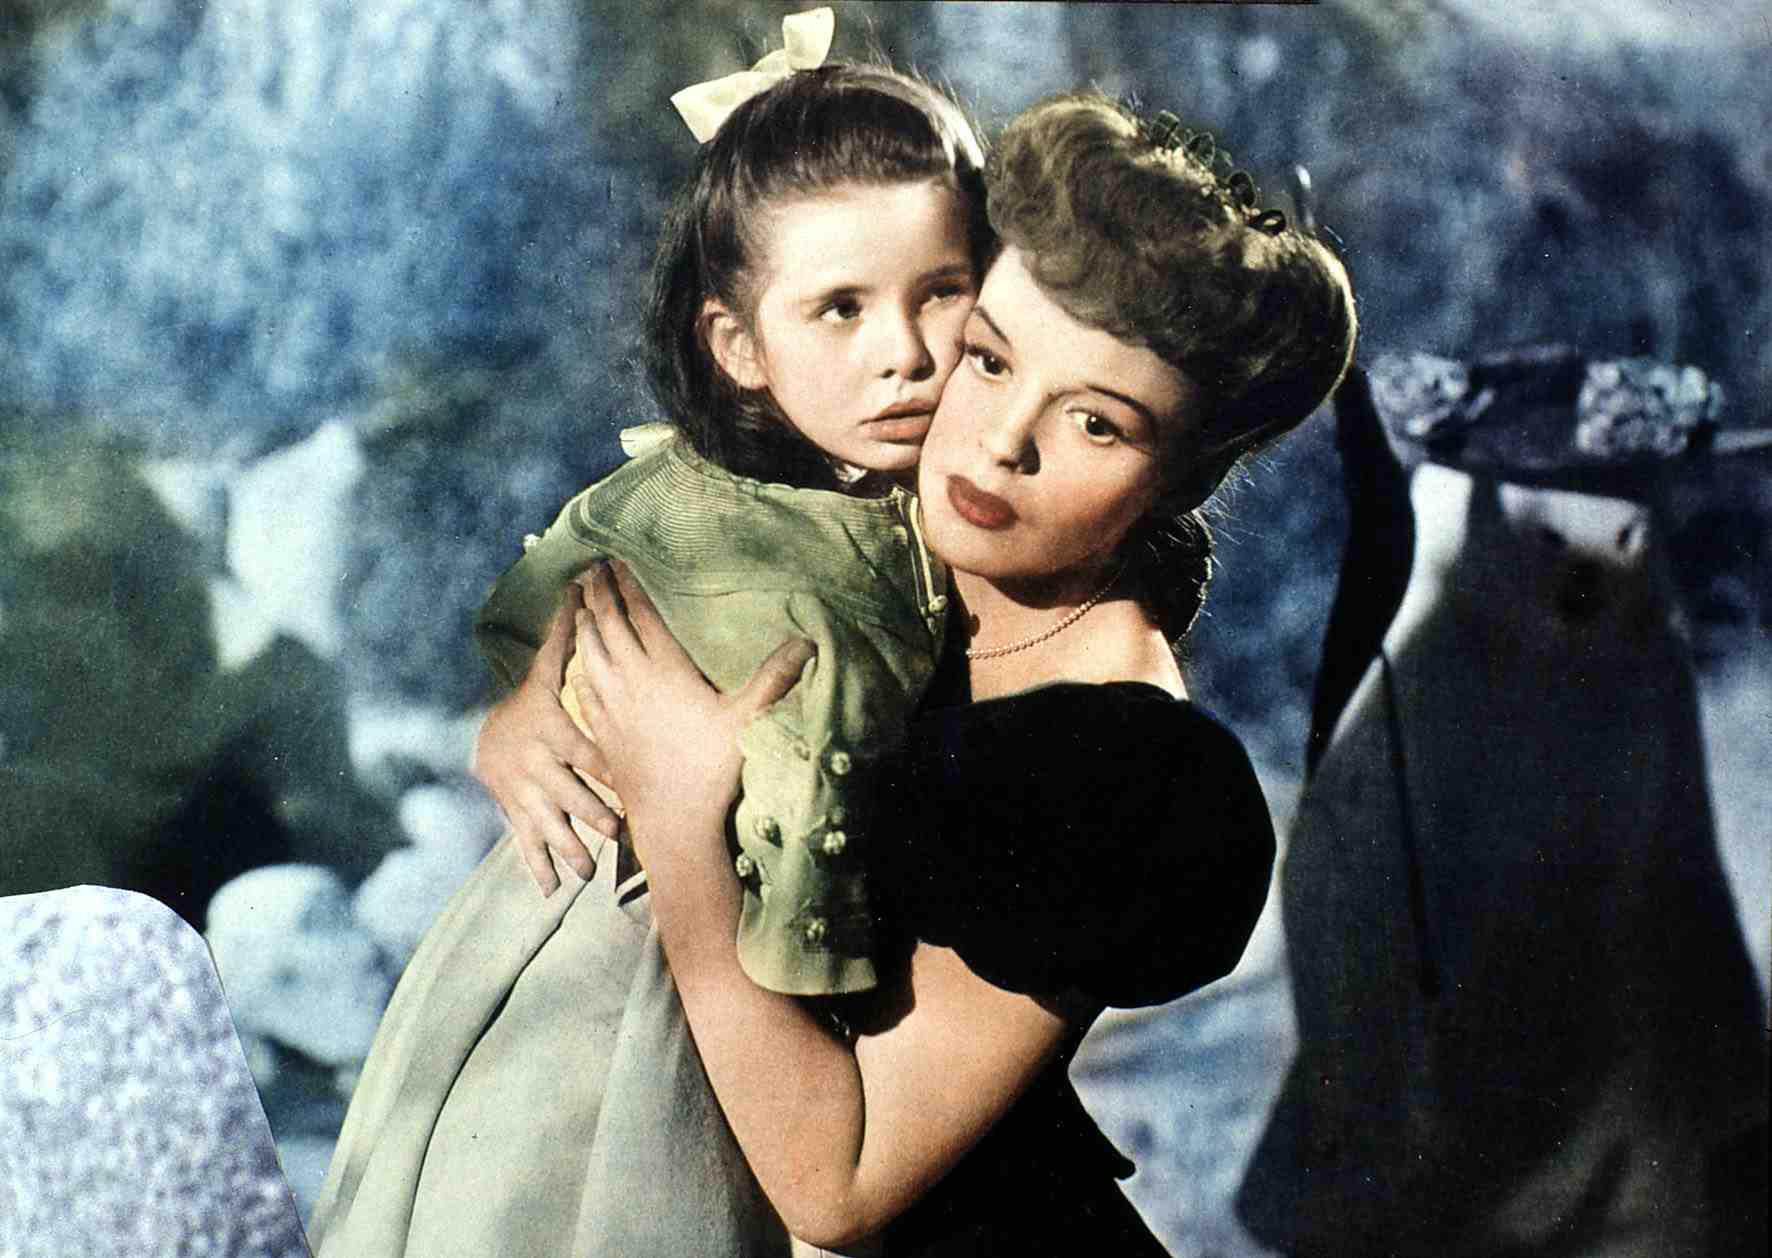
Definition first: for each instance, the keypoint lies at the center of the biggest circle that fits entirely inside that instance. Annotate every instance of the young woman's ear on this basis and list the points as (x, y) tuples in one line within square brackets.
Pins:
[(732, 345)]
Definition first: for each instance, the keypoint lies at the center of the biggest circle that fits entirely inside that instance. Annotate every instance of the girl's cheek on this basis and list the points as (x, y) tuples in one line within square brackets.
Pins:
[(957, 324)]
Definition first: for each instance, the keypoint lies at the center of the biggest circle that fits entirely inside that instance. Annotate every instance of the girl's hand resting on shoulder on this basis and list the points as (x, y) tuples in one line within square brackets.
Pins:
[(526, 754), (669, 738)]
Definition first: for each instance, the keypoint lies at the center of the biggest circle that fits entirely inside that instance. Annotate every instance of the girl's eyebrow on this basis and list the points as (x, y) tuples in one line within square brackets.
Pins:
[(842, 286), (1143, 411), (833, 293), (951, 271), (841, 289)]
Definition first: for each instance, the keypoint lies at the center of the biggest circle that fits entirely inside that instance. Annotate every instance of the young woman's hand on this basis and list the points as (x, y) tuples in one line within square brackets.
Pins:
[(670, 739), (526, 754)]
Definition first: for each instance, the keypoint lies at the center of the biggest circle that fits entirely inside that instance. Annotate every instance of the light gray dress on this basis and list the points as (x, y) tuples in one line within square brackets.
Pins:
[(533, 1091)]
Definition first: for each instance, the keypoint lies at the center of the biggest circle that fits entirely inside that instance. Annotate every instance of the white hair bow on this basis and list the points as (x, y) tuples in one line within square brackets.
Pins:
[(806, 39)]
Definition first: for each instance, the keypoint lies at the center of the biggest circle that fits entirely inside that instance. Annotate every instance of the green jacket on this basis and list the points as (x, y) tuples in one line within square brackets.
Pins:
[(736, 567)]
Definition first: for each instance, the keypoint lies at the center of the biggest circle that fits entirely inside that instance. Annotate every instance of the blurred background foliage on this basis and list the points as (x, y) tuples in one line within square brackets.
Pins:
[(228, 224), (309, 312), (225, 224)]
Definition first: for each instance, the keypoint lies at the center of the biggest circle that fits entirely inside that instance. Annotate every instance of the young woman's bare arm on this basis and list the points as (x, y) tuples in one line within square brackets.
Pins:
[(842, 1138)]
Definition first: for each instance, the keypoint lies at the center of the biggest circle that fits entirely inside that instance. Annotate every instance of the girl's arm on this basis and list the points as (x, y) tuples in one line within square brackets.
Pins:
[(526, 754), (842, 1139)]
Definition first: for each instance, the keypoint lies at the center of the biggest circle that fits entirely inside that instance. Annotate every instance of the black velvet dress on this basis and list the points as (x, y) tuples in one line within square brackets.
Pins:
[(1094, 844)]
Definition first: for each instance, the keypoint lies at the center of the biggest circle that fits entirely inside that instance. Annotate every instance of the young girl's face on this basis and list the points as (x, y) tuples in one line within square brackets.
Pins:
[(863, 292)]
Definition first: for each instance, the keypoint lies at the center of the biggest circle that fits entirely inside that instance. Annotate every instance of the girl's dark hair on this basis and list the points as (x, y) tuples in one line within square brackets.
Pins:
[(1141, 230), (815, 130)]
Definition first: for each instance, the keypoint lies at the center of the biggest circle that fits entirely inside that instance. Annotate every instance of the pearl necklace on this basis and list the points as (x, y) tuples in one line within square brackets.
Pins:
[(988, 653)]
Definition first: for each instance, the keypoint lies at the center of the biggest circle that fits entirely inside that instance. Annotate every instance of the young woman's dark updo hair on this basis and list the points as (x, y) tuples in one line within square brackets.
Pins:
[(813, 131), (1141, 230)]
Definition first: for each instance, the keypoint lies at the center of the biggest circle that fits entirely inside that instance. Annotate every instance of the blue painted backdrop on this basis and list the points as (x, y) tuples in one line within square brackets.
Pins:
[(409, 235)]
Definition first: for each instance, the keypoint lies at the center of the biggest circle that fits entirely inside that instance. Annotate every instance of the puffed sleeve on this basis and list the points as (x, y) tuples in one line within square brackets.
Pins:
[(801, 829), (736, 567), (1104, 840), (802, 826), (514, 619)]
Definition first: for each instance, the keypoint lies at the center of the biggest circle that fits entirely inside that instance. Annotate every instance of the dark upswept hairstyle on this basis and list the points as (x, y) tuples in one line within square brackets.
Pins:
[(813, 131), (1141, 230)]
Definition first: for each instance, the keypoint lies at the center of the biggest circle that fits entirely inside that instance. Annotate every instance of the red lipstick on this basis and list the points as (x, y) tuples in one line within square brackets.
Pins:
[(977, 508)]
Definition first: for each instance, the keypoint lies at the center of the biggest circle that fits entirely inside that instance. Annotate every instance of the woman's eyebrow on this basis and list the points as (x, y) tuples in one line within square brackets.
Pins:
[(980, 312), (1128, 400), (1125, 399)]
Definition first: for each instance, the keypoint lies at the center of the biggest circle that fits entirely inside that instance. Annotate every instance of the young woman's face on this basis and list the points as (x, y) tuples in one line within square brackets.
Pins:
[(1049, 440), (857, 325)]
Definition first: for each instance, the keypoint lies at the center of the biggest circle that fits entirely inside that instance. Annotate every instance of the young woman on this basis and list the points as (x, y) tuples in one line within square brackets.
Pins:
[(1066, 831)]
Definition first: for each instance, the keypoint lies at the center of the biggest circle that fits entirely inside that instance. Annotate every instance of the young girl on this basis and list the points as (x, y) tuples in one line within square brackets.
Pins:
[(806, 312), (533, 1088)]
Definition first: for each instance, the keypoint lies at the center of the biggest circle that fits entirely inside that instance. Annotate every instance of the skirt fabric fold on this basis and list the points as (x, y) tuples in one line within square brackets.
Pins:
[(534, 1091)]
